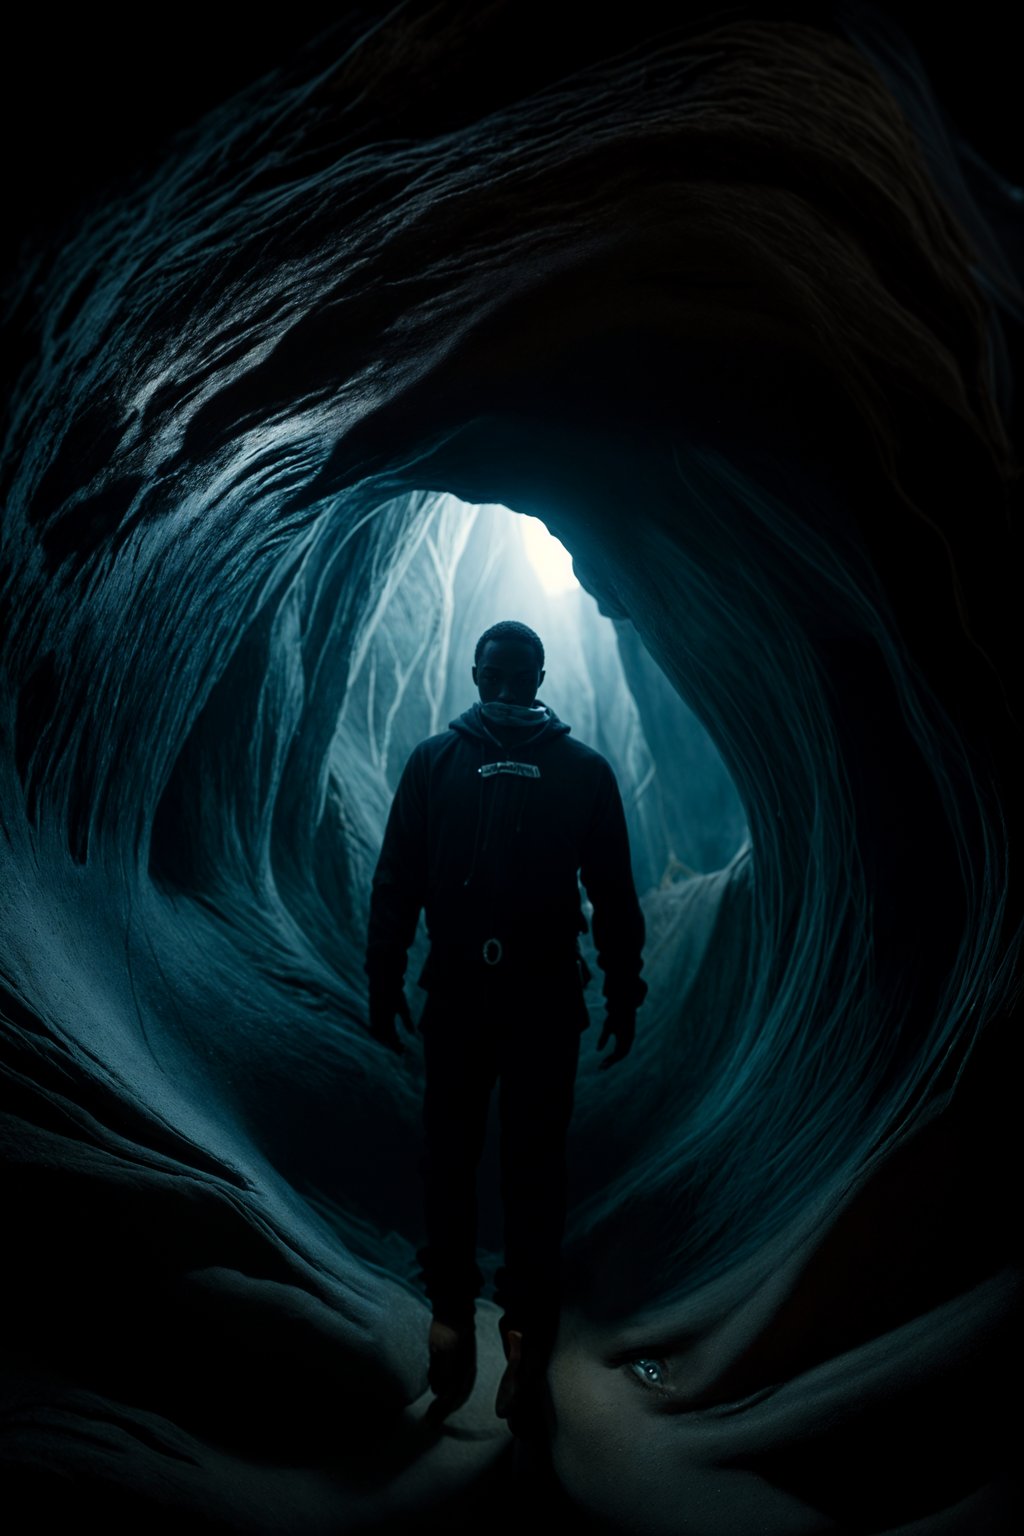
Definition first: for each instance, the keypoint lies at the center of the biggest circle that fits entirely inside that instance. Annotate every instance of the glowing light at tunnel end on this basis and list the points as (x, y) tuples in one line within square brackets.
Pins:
[(550, 559)]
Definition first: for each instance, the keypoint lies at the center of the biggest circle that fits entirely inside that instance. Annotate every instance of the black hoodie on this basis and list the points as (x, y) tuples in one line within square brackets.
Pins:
[(489, 838)]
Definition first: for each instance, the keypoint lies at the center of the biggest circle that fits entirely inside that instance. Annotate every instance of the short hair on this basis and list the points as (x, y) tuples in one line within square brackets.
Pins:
[(511, 629)]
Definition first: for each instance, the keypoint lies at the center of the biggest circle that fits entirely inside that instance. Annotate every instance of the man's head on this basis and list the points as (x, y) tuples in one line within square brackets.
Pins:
[(508, 664)]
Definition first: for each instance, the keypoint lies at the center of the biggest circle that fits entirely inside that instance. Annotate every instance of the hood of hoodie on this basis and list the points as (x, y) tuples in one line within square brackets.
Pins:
[(472, 722)]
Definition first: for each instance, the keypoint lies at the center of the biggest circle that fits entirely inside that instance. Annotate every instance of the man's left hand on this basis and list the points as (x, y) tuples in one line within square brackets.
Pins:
[(622, 1024)]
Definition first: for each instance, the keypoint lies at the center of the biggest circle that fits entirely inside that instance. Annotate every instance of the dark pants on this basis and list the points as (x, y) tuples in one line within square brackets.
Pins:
[(524, 1034)]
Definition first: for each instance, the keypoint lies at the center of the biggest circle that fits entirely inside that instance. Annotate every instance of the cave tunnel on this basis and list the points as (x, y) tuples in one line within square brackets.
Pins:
[(725, 299)]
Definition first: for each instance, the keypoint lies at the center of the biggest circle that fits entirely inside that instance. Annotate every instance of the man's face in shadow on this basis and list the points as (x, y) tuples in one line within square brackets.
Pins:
[(507, 673)]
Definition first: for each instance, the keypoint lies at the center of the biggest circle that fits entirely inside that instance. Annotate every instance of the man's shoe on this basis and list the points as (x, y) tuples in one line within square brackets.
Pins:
[(511, 1383), (522, 1391), (452, 1369)]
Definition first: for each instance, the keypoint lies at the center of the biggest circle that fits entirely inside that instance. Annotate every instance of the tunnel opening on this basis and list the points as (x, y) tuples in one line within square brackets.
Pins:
[(474, 565)]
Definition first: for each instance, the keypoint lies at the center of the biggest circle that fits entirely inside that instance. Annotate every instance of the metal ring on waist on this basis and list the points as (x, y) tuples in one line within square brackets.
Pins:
[(492, 951)]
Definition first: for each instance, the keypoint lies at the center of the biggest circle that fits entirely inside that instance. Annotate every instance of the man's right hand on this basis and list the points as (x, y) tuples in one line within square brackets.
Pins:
[(620, 1023), (388, 1002)]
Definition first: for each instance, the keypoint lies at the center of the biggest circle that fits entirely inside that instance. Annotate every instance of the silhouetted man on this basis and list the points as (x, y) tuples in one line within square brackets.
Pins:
[(491, 825)]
